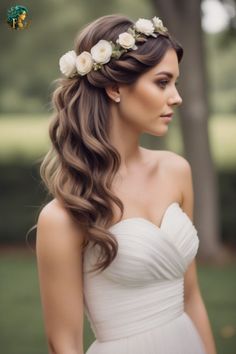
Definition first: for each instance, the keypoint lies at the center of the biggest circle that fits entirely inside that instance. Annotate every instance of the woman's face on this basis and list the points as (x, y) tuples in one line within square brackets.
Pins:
[(22, 16), (154, 94)]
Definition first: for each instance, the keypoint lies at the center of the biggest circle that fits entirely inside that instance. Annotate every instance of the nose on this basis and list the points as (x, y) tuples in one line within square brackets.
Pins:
[(175, 99)]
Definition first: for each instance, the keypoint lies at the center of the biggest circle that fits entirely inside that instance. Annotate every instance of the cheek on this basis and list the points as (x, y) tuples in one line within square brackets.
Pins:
[(144, 101), (148, 98)]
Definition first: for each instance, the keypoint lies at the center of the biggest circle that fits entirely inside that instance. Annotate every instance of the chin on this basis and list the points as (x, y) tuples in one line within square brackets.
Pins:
[(157, 133)]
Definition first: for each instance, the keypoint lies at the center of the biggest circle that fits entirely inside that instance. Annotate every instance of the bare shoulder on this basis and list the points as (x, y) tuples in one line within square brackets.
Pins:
[(180, 169), (56, 225), (169, 160), (173, 160), (54, 211), (166, 157)]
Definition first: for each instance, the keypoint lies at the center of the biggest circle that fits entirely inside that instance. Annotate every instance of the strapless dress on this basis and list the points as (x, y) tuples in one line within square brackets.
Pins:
[(136, 305)]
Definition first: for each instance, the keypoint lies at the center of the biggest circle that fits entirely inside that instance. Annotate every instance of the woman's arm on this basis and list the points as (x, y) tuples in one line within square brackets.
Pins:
[(195, 308), (193, 302), (59, 261)]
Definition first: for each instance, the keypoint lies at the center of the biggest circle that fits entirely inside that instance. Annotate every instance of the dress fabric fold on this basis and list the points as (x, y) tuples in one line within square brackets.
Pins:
[(136, 305)]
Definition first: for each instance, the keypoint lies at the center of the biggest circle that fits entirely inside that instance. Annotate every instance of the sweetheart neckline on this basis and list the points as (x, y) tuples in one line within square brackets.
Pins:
[(141, 218)]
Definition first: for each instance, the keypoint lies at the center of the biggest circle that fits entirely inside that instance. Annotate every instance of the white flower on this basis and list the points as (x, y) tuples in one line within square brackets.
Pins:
[(67, 63), (101, 52), (144, 26), (158, 24), (126, 40), (84, 63)]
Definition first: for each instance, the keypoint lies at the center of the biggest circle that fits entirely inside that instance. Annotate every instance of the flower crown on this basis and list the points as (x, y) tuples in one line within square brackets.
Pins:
[(102, 52)]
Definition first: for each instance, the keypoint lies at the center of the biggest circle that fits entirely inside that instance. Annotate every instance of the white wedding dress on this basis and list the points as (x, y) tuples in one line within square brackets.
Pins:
[(136, 305)]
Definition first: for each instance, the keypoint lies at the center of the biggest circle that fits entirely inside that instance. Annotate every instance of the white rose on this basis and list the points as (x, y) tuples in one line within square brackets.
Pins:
[(84, 63), (144, 26), (101, 52), (158, 24), (67, 63), (126, 40)]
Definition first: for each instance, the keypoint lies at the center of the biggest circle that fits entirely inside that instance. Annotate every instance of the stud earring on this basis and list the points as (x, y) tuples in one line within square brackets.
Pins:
[(117, 99)]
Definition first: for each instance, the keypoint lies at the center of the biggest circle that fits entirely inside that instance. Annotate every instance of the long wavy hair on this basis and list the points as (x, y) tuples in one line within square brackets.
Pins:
[(81, 164)]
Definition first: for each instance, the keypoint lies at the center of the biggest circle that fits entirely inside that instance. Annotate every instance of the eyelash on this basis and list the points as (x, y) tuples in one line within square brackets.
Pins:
[(162, 83)]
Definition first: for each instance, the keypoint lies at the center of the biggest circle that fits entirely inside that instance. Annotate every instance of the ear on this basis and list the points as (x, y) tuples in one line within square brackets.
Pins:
[(113, 91)]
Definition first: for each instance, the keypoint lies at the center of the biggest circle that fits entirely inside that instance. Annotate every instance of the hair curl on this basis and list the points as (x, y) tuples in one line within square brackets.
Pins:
[(81, 164)]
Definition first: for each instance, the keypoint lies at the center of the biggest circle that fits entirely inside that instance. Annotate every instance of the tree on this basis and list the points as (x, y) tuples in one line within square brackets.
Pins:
[(183, 19)]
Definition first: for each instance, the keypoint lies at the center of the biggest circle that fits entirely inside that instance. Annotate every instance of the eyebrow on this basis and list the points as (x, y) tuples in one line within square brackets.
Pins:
[(167, 73)]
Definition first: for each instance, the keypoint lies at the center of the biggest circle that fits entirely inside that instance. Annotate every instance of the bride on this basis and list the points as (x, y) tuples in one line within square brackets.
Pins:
[(117, 239)]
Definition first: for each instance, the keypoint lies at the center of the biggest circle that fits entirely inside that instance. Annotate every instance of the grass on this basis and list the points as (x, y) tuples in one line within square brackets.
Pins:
[(21, 322), (24, 136), (218, 288)]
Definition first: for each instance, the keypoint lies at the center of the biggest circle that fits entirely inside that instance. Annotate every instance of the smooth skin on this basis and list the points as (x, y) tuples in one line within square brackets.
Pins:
[(147, 183)]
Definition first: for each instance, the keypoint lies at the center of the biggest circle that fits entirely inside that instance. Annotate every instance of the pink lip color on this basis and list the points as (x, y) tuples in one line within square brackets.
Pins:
[(167, 118)]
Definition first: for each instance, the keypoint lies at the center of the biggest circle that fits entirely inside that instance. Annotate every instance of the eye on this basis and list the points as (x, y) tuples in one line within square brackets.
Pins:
[(162, 83)]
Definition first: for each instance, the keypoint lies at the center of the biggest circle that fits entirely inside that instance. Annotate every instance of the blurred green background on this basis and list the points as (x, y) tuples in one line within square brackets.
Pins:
[(29, 64)]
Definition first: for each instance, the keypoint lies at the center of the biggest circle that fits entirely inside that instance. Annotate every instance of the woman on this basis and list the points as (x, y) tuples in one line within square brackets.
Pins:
[(133, 274), (15, 16)]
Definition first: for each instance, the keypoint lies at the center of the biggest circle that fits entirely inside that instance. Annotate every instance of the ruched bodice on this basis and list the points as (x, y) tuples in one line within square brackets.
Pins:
[(141, 293)]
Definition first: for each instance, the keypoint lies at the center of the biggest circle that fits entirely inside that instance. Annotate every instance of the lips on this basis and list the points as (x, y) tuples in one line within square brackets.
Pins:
[(167, 115)]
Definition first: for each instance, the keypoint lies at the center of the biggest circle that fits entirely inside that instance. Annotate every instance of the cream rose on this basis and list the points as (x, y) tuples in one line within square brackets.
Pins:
[(101, 52), (67, 63), (126, 40), (158, 24), (84, 63), (144, 26)]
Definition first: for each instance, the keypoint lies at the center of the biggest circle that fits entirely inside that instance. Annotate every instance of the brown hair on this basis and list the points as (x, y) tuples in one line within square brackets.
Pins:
[(81, 164)]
